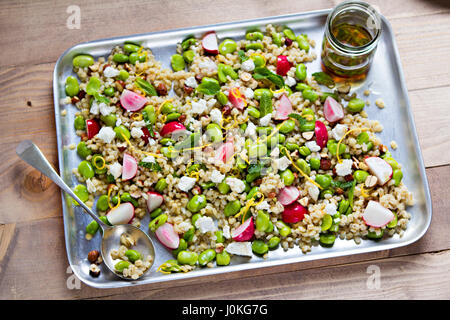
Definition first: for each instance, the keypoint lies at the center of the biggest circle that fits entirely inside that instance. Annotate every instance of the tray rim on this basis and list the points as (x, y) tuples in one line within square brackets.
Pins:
[(259, 264)]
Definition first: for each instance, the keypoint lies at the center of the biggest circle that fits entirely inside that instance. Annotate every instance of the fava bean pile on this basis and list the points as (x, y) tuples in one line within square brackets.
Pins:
[(238, 150)]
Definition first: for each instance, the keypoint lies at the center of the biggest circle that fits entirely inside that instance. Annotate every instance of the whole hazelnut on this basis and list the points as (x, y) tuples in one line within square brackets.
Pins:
[(93, 256)]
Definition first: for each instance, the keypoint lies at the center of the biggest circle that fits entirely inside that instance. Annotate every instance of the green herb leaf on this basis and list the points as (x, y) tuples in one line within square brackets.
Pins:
[(148, 124), (342, 185), (153, 166), (297, 117), (323, 78), (242, 56), (146, 86), (102, 99), (264, 73)]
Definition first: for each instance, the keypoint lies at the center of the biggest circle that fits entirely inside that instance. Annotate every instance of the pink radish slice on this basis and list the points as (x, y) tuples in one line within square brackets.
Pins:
[(123, 214), (332, 110), (321, 134), (131, 101), (245, 231), (225, 151), (375, 215), (379, 168), (130, 167), (288, 195), (294, 213), (154, 200), (172, 128), (284, 109), (167, 236), (236, 99), (283, 65), (209, 43), (92, 128)]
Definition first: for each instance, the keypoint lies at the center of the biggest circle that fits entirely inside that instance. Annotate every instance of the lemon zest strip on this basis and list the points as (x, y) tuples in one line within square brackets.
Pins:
[(340, 141)]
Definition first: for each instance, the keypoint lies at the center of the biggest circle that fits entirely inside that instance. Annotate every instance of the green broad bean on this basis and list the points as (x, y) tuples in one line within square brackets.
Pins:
[(292, 146), (310, 95), (302, 86), (360, 175), (327, 239), (343, 206), (287, 126), (81, 192), (196, 203), (151, 113), (224, 70), (397, 176), (102, 203), (219, 236), (120, 58), (262, 221), (86, 169), (96, 162), (273, 242), (253, 112), (156, 212), (303, 165), (121, 265), (72, 87), (83, 150), (123, 75), (187, 257), (300, 73), (135, 57), (130, 48), (105, 220), (332, 147), (157, 222), (276, 38), (223, 258), (393, 222), (356, 105), (304, 151), (302, 42), (132, 255), (324, 180), (222, 98), (189, 235), (258, 60), (173, 116), (374, 236), (259, 247), (334, 227), (254, 46), (276, 139), (181, 246), (177, 62), (79, 123), (82, 61), (206, 257), (288, 33), (257, 94), (92, 227), (110, 120), (327, 221), (369, 146), (194, 218), (122, 131), (232, 208), (187, 43), (109, 91), (168, 108), (169, 152), (161, 185), (253, 36), (207, 185), (126, 197), (287, 177), (167, 141), (323, 193), (223, 187), (189, 56), (214, 132), (314, 163), (227, 46), (394, 164), (93, 86), (307, 126), (285, 230), (253, 191), (257, 150), (363, 137)]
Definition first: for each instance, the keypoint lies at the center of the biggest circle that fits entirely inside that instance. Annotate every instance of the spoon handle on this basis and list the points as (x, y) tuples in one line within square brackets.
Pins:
[(30, 153)]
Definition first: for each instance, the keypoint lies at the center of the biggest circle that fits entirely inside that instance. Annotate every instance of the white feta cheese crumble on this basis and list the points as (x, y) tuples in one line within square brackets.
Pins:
[(248, 65), (217, 177), (90, 186), (105, 109), (191, 82), (226, 232), (338, 131), (290, 82), (250, 130), (282, 163), (344, 168), (136, 132), (205, 224), (149, 159), (110, 72), (115, 169), (198, 107), (240, 248), (313, 192), (331, 209), (211, 103), (248, 93), (106, 134), (151, 142), (95, 108), (275, 152), (207, 64), (138, 124), (263, 206), (216, 116), (186, 183), (118, 122), (312, 145), (236, 184), (264, 121)]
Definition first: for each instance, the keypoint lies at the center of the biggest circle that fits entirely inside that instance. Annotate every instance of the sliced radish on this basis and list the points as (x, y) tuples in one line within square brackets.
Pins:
[(123, 214), (225, 151), (236, 99), (284, 109), (377, 216), (173, 127), (283, 65), (294, 213), (92, 128), (288, 195), (245, 231), (380, 169), (332, 110), (209, 43), (154, 200), (167, 236), (321, 134), (129, 167), (131, 101)]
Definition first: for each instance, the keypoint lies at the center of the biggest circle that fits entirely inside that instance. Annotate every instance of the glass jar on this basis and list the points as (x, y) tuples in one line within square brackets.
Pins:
[(351, 37)]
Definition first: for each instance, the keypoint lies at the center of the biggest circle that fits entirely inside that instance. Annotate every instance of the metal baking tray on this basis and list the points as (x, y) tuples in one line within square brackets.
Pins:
[(385, 80)]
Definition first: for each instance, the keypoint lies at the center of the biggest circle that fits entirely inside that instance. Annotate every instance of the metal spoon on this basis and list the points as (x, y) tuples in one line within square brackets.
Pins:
[(31, 154)]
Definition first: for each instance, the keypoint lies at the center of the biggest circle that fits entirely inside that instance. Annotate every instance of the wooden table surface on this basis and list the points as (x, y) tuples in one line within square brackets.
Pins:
[(33, 261)]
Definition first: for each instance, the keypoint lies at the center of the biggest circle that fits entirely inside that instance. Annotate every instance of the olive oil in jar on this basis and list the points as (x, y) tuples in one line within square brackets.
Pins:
[(351, 34)]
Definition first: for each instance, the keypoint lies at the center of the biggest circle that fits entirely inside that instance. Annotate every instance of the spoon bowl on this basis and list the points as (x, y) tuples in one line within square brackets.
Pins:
[(111, 235)]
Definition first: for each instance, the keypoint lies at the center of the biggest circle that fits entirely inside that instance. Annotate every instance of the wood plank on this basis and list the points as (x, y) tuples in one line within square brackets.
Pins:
[(25, 25), (38, 249)]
